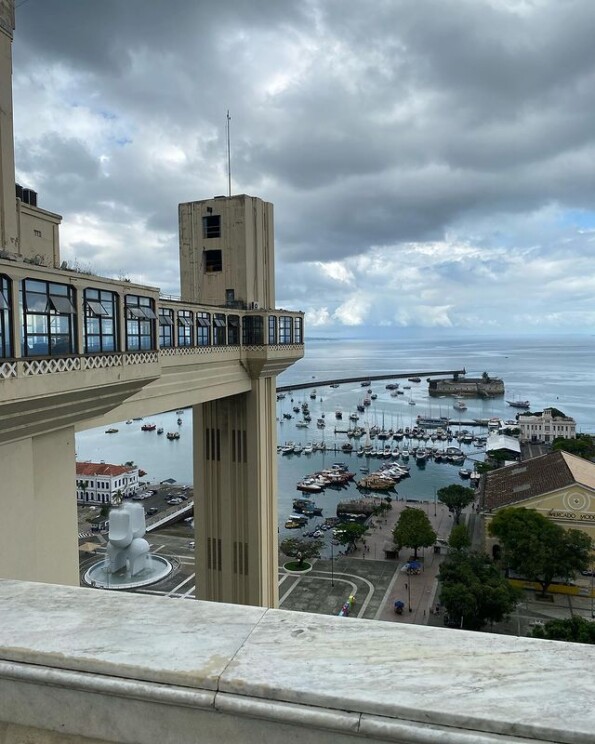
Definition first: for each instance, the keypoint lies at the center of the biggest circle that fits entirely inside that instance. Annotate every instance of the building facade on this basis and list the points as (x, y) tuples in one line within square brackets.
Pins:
[(99, 482), (546, 425), (559, 485)]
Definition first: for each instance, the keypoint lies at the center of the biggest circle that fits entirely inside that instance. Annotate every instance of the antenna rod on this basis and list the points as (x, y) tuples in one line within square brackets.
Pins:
[(228, 156)]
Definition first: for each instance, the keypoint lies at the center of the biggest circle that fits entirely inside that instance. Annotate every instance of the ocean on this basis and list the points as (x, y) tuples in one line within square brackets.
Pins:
[(546, 371)]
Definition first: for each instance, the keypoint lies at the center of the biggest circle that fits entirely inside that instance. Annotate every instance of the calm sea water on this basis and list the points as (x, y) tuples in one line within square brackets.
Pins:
[(545, 371)]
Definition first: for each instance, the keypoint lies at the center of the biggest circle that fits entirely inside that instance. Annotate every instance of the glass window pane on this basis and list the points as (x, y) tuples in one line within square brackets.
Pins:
[(36, 302), (62, 305), (97, 308)]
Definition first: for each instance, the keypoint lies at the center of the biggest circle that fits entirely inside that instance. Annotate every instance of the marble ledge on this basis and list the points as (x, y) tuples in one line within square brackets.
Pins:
[(379, 681)]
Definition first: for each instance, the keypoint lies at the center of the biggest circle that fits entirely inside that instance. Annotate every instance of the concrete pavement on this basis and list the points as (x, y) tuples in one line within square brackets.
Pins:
[(376, 581)]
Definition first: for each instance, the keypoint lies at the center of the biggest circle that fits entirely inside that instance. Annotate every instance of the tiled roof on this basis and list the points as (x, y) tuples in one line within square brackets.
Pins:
[(102, 468), (535, 477)]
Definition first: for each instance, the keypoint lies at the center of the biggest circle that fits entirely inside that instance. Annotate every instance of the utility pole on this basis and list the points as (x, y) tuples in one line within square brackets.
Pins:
[(228, 155)]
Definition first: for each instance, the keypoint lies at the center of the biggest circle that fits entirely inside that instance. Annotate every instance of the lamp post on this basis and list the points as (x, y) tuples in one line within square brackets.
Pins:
[(592, 606), (332, 563), (409, 575)]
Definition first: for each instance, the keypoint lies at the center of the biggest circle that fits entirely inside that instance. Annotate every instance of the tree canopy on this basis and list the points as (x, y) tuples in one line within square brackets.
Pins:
[(348, 533), (473, 590), (456, 498), (413, 530), (574, 629), (539, 549), (296, 547), (582, 446), (459, 538)]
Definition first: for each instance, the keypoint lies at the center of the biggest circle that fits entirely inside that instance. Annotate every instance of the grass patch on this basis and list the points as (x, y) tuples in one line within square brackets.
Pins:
[(295, 566)]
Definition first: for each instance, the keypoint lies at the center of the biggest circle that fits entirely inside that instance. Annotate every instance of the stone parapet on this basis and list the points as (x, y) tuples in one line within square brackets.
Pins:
[(127, 668)]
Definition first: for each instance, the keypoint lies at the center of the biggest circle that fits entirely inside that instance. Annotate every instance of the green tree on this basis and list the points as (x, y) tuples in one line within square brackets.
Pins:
[(83, 485), (459, 538), (413, 530), (573, 629), (539, 549), (456, 498), (348, 533), (301, 550), (582, 446), (473, 591)]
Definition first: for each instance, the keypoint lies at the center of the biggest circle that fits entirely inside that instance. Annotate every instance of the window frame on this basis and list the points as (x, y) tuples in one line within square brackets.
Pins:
[(6, 325), (185, 326), (49, 312), (100, 311), (140, 322), (166, 328)]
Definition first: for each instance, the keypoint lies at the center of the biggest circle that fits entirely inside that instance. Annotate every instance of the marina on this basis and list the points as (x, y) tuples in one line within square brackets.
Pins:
[(544, 371)]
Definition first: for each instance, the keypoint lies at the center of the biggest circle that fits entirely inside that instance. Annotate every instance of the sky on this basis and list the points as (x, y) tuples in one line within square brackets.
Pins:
[(431, 162)]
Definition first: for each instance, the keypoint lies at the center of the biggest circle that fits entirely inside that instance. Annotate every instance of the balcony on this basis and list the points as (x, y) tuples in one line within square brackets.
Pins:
[(130, 668)]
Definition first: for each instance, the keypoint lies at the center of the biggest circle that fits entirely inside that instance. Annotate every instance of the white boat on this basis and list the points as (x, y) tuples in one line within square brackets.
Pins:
[(301, 424), (460, 406)]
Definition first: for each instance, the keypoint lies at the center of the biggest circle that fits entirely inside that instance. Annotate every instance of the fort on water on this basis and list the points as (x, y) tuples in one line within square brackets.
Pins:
[(472, 387)]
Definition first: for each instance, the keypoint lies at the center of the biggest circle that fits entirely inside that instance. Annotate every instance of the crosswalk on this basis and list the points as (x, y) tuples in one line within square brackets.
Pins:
[(85, 534)]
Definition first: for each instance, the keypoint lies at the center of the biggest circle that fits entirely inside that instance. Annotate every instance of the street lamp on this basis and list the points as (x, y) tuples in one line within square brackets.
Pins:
[(332, 564)]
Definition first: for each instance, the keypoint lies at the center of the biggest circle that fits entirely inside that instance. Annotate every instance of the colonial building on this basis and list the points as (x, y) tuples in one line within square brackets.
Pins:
[(559, 485), (546, 425), (99, 482)]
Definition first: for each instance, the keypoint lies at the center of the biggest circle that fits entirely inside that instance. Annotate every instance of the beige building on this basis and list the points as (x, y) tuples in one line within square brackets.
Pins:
[(545, 426), (559, 485), (79, 351)]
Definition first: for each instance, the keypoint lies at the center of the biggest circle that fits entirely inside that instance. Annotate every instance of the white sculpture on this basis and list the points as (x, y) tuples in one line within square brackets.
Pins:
[(126, 546)]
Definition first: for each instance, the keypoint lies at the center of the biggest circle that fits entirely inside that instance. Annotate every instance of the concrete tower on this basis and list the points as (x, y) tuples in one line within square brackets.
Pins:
[(227, 252), (8, 213)]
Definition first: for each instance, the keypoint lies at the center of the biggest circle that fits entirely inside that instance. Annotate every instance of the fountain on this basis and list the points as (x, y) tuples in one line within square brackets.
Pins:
[(128, 564)]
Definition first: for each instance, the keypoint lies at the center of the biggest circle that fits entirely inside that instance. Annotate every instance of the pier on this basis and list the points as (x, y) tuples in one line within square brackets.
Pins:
[(372, 378)]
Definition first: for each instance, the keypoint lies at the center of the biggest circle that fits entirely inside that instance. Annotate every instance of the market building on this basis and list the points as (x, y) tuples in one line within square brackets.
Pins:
[(559, 485)]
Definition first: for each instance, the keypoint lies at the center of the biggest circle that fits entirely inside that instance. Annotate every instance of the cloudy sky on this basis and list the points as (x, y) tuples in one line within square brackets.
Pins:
[(431, 162)]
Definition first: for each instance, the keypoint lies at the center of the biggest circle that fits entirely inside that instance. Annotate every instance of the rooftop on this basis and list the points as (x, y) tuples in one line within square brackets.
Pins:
[(102, 468), (535, 477)]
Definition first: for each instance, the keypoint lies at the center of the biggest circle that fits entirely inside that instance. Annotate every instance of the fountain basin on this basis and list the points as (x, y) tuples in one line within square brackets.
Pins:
[(157, 569)]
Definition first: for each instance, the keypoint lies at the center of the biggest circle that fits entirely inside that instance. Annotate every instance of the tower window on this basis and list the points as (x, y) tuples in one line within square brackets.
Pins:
[(211, 226), (213, 261)]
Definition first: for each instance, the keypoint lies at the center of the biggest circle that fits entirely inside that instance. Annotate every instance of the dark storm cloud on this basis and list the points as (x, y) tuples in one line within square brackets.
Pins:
[(367, 124)]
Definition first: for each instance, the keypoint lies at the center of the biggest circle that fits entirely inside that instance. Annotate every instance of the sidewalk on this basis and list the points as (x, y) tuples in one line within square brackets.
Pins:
[(417, 591)]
